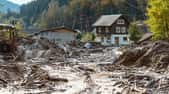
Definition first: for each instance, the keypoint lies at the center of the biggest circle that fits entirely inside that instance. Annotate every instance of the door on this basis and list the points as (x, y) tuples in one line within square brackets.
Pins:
[(116, 41)]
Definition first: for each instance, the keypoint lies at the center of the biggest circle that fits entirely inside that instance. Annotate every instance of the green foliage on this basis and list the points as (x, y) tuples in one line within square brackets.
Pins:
[(87, 37), (21, 34), (158, 20), (134, 34), (4, 35), (19, 28), (80, 14), (79, 36)]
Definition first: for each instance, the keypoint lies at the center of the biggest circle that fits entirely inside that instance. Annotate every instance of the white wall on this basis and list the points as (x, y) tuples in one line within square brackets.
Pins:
[(98, 39), (104, 41), (59, 36), (121, 40)]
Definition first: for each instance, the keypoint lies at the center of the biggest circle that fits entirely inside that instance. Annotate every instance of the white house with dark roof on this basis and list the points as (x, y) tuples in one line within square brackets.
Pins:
[(112, 30), (59, 34)]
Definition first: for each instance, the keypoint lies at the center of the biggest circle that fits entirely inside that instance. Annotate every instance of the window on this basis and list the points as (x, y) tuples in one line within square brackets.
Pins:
[(125, 38), (118, 30), (123, 29), (99, 29), (102, 39), (107, 30), (109, 39), (120, 21), (103, 29)]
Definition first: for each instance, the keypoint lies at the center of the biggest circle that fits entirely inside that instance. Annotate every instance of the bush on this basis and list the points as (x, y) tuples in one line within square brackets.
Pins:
[(134, 34), (87, 37)]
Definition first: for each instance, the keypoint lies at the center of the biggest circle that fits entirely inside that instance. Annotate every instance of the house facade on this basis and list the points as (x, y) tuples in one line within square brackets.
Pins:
[(60, 34), (112, 30)]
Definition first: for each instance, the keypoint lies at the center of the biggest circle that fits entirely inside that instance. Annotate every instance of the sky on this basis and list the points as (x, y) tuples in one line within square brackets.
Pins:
[(20, 2)]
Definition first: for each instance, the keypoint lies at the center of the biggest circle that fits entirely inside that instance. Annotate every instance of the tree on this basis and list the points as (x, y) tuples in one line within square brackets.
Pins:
[(158, 20), (87, 37), (19, 27), (134, 34), (79, 14)]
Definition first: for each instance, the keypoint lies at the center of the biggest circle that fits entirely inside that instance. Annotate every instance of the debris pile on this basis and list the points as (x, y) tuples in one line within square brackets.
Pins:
[(155, 54), (10, 73), (39, 50), (46, 68), (39, 78)]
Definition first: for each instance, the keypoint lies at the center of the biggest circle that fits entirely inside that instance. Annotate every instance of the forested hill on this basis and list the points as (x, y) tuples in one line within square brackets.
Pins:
[(78, 14), (6, 6)]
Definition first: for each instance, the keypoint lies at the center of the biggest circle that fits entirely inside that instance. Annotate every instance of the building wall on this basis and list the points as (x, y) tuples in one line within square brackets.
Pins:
[(121, 39), (108, 35), (111, 41), (98, 39), (59, 36)]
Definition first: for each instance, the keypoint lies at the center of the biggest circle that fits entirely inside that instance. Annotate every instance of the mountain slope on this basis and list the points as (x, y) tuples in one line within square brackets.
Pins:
[(7, 5)]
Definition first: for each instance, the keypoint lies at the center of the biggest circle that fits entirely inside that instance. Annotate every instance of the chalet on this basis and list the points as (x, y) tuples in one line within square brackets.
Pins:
[(112, 30), (59, 34)]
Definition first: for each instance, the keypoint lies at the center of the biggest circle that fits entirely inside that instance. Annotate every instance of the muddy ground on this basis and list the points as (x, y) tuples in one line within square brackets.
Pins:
[(41, 68)]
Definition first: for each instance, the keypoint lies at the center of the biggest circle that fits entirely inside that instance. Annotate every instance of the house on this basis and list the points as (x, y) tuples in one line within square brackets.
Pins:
[(112, 30), (59, 34)]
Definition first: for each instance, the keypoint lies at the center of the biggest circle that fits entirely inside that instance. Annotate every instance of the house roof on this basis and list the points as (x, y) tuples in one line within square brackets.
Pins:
[(145, 37), (7, 25), (107, 20), (57, 29)]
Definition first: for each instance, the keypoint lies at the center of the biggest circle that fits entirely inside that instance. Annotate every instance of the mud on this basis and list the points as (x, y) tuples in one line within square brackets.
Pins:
[(61, 69)]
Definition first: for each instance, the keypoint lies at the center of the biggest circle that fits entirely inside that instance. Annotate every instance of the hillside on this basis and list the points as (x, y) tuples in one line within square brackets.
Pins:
[(7, 5), (79, 14)]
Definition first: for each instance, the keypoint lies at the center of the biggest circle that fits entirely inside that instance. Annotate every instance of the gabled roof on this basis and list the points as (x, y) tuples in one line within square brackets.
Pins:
[(7, 25), (145, 37), (107, 20), (58, 29)]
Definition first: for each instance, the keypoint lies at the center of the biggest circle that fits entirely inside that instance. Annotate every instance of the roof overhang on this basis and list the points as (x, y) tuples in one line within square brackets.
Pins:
[(106, 20), (58, 28), (7, 26)]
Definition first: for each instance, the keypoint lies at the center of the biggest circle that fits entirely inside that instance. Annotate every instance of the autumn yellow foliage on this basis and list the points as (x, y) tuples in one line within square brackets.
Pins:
[(158, 18)]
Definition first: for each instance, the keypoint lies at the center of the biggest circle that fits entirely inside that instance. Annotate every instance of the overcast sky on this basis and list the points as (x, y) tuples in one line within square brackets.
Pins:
[(20, 2)]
